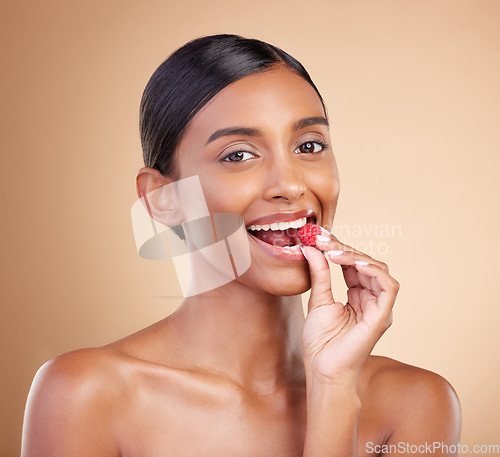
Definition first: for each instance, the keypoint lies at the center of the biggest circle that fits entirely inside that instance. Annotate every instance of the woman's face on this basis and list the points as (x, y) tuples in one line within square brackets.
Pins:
[(275, 166)]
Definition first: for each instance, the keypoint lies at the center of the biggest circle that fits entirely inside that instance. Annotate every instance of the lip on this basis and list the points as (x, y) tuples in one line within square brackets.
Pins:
[(282, 217), (277, 252)]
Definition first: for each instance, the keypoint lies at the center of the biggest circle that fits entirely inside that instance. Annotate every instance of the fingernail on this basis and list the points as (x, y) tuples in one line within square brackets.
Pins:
[(334, 253), (322, 238), (303, 252), (361, 262), (325, 231)]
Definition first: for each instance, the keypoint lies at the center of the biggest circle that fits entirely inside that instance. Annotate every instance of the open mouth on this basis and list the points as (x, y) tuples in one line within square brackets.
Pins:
[(280, 234)]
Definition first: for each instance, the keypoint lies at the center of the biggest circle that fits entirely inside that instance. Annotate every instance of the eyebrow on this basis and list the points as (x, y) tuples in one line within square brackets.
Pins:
[(249, 131)]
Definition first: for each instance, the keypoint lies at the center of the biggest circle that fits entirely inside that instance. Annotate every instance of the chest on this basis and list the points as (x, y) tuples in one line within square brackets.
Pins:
[(186, 424), (192, 424)]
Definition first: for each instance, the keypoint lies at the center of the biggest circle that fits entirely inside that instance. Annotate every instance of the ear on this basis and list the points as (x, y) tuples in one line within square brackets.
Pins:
[(158, 196)]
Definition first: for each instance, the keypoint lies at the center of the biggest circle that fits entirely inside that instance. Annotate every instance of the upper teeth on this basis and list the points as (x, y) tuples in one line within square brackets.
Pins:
[(280, 225)]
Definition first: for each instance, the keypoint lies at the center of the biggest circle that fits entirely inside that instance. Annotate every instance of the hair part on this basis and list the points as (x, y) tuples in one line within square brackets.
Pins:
[(189, 78)]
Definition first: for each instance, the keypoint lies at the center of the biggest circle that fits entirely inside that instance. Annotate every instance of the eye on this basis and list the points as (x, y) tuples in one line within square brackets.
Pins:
[(238, 156), (311, 147)]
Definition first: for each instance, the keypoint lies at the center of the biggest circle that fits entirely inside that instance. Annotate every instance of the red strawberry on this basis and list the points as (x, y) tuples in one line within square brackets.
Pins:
[(307, 234)]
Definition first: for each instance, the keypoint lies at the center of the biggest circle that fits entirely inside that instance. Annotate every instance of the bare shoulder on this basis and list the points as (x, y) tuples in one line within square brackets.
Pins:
[(81, 402), (407, 383), (71, 401), (79, 364), (80, 373), (416, 404)]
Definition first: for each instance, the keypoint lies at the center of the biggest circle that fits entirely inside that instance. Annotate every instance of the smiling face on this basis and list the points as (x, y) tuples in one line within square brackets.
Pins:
[(261, 150)]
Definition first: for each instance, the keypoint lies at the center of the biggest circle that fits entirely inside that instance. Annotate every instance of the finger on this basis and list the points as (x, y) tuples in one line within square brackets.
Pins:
[(364, 280), (387, 287), (354, 299), (326, 237), (321, 283), (331, 244), (349, 258), (357, 278), (375, 286), (352, 276)]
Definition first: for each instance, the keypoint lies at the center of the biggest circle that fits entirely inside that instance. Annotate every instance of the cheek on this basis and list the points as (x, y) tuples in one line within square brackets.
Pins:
[(325, 184), (326, 187), (228, 195)]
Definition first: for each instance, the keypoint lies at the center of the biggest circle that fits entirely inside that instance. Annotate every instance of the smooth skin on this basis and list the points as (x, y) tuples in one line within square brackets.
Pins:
[(239, 371)]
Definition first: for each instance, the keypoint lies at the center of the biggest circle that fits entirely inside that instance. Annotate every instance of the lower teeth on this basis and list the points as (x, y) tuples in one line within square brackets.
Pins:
[(290, 248)]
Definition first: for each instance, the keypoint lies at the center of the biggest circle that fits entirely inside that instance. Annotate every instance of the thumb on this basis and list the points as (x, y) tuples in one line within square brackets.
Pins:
[(321, 282)]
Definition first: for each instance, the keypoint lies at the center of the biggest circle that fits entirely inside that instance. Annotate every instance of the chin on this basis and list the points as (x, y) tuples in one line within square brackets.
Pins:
[(282, 282)]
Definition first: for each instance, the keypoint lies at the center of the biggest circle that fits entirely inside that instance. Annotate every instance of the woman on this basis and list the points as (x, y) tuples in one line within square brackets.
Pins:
[(238, 370)]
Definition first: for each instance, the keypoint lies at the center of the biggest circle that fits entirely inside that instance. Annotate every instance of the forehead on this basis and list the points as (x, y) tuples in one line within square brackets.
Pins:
[(272, 99)]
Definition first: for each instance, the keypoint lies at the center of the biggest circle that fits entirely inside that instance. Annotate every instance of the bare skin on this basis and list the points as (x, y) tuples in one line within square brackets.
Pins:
[(239, 370)]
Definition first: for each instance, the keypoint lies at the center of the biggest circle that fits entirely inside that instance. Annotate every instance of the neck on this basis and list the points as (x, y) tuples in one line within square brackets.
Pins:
[(250, 337)]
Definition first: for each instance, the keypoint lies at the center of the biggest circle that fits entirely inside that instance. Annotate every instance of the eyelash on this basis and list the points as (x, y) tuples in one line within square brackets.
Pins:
[(323, 145), (320, 142)]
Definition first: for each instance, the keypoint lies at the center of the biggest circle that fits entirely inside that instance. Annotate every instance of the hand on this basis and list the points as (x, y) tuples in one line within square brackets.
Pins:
[(338, 339)]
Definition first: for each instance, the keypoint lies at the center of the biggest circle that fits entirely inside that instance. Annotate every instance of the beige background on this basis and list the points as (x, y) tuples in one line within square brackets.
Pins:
[(413, 93)]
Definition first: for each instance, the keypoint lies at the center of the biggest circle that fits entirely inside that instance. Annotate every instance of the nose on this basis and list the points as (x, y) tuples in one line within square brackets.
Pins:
[(284, 180)]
